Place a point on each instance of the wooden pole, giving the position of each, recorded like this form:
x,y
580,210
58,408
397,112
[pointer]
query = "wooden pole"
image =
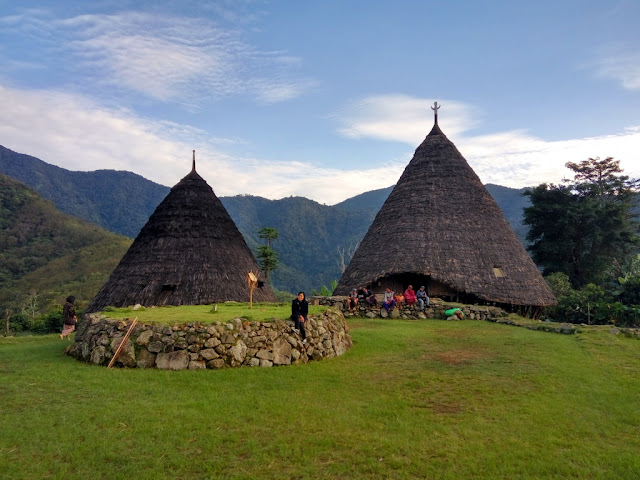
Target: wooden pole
x,y
126,337
252,281
6,328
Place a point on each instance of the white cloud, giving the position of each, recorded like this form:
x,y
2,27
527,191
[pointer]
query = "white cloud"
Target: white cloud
x,y
183,60
512,158
516,160
622,66
75,133
402,118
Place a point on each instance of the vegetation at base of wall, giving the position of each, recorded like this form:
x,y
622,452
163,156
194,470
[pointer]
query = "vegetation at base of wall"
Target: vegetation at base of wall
x,y
324,291
614,303
411,399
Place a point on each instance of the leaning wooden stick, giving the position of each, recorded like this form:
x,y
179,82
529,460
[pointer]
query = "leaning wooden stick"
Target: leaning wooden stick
x,y
126,337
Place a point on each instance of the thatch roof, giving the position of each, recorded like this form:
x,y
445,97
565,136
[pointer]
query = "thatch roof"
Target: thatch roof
x,y
190,252
440,222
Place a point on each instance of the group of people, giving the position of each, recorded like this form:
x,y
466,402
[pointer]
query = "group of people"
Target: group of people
x,y
364,294
410,297
391,299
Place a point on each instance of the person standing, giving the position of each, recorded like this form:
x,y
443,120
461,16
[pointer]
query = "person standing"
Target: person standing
x,y
300,314
70,319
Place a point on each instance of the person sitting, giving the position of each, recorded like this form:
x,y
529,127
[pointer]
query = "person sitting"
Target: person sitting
x,y
299,314
389,300
399,298
369,296
352,300
422,298
410,295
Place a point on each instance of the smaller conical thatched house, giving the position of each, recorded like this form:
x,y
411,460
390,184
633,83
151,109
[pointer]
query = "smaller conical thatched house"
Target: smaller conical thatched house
x,y
441,228
190,252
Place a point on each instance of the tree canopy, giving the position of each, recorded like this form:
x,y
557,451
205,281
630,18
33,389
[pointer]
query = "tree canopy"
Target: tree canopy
x,y
584,226
267,256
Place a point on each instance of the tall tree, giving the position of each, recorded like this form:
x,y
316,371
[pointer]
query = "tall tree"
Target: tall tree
x,y
267,256
583,226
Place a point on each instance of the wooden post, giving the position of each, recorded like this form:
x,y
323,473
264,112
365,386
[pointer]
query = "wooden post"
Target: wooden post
x,y
6,328
252,281
126,337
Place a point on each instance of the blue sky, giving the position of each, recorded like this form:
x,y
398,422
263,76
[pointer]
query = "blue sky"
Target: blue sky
x,y
321,99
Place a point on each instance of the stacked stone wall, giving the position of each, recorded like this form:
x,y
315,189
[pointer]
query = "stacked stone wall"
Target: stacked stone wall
x,y
219,345
435,309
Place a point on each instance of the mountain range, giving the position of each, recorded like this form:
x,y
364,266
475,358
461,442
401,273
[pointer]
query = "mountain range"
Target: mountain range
x,y
311,235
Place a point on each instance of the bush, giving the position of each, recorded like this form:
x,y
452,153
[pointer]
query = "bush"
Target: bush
x,y
54,322
37,324
18,322
591,304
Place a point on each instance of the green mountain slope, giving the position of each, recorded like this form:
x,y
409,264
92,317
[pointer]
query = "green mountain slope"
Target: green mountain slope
x,y
115,200
48,254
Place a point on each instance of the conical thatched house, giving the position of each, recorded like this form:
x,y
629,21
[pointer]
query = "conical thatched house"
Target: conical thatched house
x,y
441,228
190,252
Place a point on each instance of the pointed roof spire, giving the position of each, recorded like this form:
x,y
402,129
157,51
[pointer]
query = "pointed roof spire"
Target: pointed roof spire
x,y
435,109
193,166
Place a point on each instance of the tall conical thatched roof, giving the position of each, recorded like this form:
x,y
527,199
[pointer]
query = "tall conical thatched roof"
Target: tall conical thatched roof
x,y
190,252
441,226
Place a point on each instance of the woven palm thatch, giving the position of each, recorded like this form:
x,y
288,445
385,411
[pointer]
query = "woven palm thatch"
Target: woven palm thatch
x,y
190,252
441,228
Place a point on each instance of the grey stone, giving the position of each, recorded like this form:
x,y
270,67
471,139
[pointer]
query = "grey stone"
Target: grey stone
x,y
97,355
209,354
178,360
197,365
238,353
265,354
216,363
146,359
281,352
212,342
144,338
155,347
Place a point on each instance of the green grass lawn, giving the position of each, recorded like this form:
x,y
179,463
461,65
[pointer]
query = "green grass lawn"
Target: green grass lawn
x,y
412,399
206,314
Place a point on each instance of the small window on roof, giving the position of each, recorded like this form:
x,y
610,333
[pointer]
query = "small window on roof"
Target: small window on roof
x,y
497,271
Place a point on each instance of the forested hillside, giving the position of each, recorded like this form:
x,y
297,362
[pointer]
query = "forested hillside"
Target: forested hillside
x,y
118,201
46,255
310,235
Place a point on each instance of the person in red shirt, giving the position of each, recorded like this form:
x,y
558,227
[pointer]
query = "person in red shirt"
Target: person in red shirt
x,y
410,295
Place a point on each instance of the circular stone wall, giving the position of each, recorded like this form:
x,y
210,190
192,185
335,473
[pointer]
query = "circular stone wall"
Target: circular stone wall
x,y
218,345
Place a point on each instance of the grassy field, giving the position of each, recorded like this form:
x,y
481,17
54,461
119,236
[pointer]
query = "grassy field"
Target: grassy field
x,y
412,399
206,314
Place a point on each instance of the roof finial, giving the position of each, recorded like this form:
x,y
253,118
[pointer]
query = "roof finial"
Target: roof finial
x,y
193,167
435,109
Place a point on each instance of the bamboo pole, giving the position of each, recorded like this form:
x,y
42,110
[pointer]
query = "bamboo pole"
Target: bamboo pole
x,y
126,337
